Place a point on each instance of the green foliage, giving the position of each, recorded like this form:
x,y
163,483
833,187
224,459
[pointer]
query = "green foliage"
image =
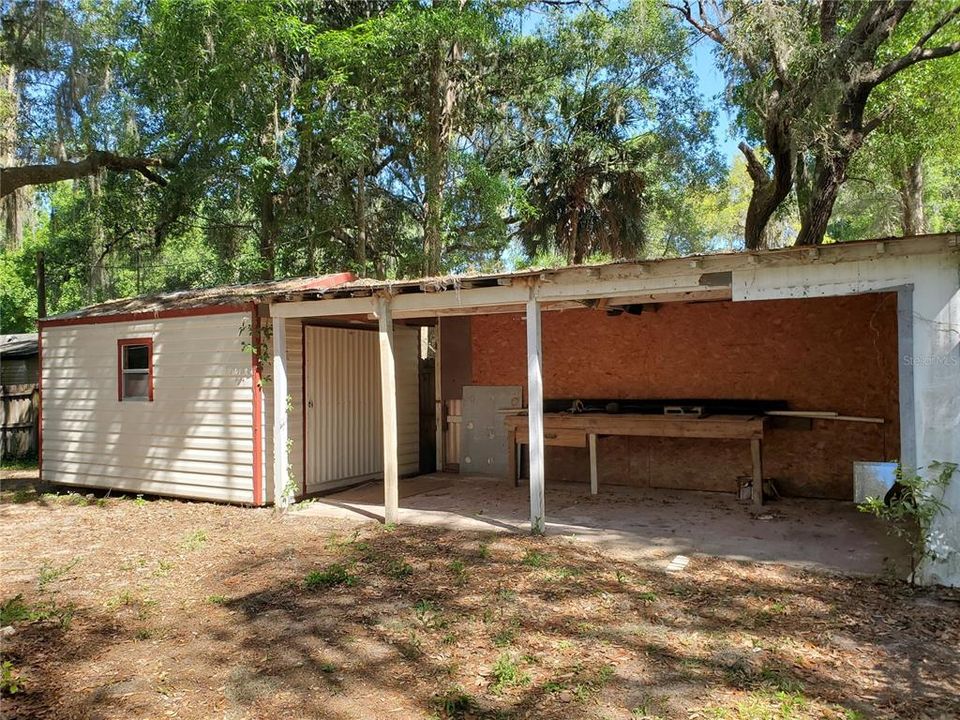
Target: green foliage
x,y
14,610
506,673
11,679
535,559
333,576
194,540
399,569
912,513
453,703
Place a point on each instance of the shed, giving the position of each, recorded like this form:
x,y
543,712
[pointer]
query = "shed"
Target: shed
x,y
18,359
19,399
688,373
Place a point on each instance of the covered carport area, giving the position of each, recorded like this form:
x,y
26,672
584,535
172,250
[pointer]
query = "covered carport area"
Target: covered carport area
x,y
915,279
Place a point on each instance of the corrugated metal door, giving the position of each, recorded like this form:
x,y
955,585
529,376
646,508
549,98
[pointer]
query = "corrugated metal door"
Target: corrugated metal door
x,y
344,429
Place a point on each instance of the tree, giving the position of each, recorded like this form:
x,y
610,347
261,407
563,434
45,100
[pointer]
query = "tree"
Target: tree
x,y
615,120
805,74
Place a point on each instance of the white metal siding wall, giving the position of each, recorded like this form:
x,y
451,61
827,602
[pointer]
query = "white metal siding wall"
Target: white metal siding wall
x,y
345,433
194,440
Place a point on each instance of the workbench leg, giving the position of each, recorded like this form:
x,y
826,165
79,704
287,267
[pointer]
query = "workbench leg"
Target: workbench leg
x,y
593,463
757,485
512,458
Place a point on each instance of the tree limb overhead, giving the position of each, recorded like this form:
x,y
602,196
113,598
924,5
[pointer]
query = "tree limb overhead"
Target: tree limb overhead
x,y
13,178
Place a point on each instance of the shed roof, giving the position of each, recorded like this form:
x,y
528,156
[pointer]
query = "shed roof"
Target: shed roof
x,y
18,345
343,285
222,296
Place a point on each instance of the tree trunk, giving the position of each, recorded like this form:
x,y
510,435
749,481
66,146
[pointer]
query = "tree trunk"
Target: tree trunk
x,y
13,205
769,189
435,169
828,178
360,208
269,229
910,185
442,100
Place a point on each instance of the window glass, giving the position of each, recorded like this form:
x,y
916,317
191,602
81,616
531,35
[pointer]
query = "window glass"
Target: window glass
x,y
136,357
136,385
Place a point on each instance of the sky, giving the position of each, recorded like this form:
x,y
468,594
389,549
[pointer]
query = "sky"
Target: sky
x,y
711,85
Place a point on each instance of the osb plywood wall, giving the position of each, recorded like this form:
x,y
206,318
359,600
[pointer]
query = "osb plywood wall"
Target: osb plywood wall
x,y
817,354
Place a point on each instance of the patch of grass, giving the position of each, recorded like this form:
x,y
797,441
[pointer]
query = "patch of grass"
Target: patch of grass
x,y
399,569
775,680
14,610
163,568
333,576
506,595
506,673
647,598
590,683
11,679
22,495
143,634
21,464
645,709
459,571
52,573
194,540
764,705
139,501
217,599
505,637
561,574
412,647
327,667
484,550
535,559
121,599
429,615
453,703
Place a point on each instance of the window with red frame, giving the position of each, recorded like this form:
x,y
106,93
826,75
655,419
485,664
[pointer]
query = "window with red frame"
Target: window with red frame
x,y
135,360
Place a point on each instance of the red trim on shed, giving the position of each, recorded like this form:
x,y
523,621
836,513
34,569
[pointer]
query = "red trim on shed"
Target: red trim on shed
x,y
40,400
155,315
303,401
257,405
126,342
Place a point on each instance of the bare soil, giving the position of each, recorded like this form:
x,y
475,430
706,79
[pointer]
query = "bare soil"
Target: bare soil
x,y
157,608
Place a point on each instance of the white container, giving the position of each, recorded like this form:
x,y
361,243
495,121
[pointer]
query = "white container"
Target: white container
x,y
873,479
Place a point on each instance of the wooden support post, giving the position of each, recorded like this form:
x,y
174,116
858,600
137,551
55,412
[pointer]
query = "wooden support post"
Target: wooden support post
x,y
281,452
438,397
757,485
388,397
592,437
535,415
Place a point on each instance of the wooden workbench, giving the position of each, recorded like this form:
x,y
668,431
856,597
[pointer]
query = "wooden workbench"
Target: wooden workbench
x,y
582,429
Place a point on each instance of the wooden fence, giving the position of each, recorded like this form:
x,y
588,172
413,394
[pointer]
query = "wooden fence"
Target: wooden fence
x,y
19,415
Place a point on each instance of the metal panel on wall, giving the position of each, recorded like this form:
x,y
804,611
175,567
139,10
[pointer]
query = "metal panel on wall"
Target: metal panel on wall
x,y
343,411
483,435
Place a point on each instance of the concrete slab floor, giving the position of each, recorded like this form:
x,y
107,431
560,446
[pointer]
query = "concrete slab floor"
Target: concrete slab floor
x,y
643,525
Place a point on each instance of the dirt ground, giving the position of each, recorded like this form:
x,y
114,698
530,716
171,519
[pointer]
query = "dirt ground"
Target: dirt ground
x,y
136,608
